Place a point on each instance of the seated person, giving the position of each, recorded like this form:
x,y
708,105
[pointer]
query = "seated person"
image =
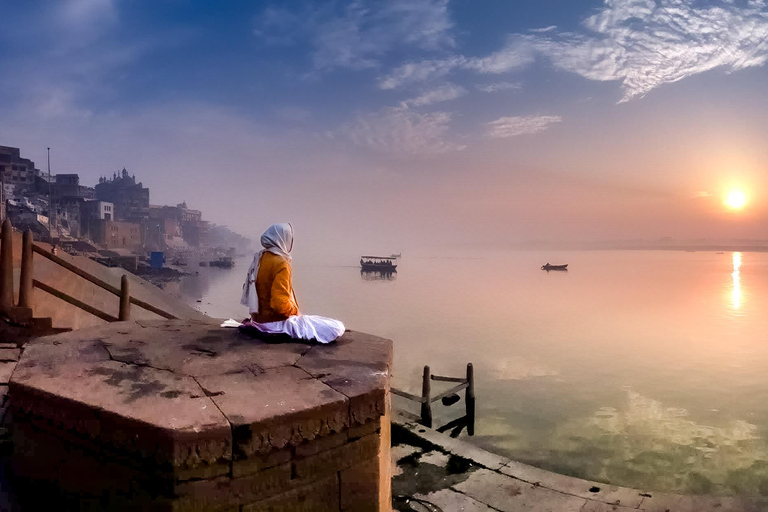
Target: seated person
x,y
268,293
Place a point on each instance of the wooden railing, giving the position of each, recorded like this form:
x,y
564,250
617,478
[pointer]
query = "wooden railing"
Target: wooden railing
x,y
448,398
27,281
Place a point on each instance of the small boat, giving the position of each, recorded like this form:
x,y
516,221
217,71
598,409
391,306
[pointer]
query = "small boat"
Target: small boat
x,y
396,255
223,262
554,267
378,263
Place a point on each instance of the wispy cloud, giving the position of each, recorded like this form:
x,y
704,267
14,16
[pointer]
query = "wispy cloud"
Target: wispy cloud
x,y
358,35
513,126
445,92
517,54
645,44
400,131
543,29
499,86
642,44
414,72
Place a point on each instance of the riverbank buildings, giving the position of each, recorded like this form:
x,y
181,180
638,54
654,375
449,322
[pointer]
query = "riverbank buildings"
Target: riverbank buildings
x,y
130,199
16,172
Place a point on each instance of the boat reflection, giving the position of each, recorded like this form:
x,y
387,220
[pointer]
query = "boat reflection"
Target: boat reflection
x,y
378,275
736,280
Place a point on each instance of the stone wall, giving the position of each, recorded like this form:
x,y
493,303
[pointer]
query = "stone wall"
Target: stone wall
x,y
184,416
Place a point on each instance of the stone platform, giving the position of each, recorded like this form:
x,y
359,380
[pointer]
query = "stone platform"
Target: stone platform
x,y
434,472
185,415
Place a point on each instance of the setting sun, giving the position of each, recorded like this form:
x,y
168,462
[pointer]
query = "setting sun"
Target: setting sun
x,y
736,199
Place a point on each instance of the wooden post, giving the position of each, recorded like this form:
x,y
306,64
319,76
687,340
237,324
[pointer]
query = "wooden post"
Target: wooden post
x,y
6,266
125,299
426,395
25,281
469,400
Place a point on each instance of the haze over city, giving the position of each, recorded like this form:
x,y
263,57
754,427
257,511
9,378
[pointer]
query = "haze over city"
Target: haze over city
x,y
407,123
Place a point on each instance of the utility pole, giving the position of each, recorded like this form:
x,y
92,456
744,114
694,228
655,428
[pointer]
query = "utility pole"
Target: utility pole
x,y
50,199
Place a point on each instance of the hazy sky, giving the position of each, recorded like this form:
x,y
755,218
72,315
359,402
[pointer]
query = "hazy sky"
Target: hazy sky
x,y
382,125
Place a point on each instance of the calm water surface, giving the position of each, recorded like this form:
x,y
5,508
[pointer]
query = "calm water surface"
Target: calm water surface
x,y
647,369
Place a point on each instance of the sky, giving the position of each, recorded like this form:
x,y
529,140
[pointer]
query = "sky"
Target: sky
x,y
382,126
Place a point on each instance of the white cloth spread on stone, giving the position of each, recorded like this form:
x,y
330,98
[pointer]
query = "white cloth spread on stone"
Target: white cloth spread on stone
x,y
277,239
305,327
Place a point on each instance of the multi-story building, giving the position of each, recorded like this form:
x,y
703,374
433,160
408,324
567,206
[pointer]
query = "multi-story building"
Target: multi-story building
x,y
118,235
99,210
168,222
193,228
68,186
91,213
17,171
131,199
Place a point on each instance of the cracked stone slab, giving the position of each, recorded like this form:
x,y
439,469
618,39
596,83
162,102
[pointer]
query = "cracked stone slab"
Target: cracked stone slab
x,y
191,394
458,447
356,365
590,490
507,494
201,350
276,408
448,499
160,415
6,370
9,354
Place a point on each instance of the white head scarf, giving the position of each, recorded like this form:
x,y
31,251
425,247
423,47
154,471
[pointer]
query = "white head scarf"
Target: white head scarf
x,y
277,239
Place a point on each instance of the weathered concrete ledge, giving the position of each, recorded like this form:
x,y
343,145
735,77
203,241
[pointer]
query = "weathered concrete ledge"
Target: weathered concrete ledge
x,y
184,415
455,475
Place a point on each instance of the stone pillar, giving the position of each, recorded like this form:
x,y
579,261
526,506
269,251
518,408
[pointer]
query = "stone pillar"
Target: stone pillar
x,y
6,266
25,279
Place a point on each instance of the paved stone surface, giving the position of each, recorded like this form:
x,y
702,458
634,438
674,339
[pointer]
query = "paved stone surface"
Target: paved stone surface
x,y
6,369
576,486
457,447
9,354
450,500
305,407
473,479
356,365
598,506
508,494
189,393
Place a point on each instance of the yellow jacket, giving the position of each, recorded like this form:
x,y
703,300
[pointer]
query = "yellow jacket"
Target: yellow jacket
x,y
275,290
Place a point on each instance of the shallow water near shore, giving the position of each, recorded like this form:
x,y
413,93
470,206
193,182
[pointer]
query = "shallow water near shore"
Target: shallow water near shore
x,y
647,369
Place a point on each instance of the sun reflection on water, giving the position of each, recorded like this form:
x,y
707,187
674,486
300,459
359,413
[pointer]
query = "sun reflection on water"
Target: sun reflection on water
x,y
736,280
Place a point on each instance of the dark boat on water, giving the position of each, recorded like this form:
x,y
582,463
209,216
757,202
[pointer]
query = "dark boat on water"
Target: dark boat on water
x,y
223,262
378,263
554,267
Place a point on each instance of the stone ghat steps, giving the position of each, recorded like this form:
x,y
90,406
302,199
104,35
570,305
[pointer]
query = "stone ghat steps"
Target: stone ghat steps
x,y
430,467
64,315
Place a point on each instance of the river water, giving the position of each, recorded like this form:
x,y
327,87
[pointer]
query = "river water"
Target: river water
x,y
640,368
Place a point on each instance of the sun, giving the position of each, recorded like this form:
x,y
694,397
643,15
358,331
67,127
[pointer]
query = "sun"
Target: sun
x,y
736,199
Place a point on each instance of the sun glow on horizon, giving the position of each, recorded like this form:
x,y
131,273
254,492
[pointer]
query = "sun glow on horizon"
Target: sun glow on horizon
x,y
735,200
736,274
